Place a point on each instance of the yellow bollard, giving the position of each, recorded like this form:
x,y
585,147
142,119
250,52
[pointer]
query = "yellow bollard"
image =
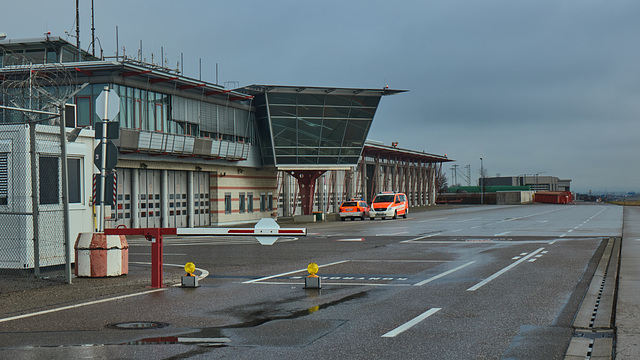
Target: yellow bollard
x,y
190,268
189,280
312,281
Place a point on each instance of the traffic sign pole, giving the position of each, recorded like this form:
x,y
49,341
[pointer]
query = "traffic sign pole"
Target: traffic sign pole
x,y
105,111
103,167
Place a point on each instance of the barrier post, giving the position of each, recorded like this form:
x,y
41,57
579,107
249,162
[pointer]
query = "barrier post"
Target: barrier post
x,y
155,236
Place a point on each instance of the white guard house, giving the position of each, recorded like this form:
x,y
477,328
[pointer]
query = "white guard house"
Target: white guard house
x,y
16,202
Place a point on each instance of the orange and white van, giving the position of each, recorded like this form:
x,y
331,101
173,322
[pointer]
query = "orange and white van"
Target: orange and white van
x,y
354,209
389,204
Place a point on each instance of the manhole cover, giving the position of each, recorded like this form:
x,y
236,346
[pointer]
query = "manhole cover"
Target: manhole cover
x,y
138,325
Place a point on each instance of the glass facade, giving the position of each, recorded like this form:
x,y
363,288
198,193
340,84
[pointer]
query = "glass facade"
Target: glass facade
x,y
154,111
37,53
317,128
139,109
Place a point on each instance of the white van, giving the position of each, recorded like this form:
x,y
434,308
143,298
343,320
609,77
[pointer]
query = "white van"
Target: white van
x,y
389,204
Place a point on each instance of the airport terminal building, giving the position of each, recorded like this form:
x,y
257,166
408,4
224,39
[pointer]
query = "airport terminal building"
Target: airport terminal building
x,y
192,153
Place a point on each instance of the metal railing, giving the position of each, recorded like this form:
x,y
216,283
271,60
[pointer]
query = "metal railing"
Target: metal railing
x,y
182,145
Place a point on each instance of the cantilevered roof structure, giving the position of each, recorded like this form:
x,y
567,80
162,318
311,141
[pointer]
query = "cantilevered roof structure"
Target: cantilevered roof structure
x,y
314,128
307,130
374,150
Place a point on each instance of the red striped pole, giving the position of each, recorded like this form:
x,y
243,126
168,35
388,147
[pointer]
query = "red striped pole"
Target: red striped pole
x,y
93,197
115,187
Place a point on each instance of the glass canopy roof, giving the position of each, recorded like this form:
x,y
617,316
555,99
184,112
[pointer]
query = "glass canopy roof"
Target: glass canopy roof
x,y
313,127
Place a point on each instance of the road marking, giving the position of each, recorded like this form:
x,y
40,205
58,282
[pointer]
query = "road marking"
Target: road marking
x,y
409,324
443,274
290,272
328,283
392,234
358,239
479,241
432,219
23,316
421,237
502,233
504,270
401,261
204,274
343,277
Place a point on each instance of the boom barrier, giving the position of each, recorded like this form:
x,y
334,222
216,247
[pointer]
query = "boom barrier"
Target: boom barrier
x,y
266,232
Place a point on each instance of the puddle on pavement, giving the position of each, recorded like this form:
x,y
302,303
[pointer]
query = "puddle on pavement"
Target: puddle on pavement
x,y
214,336
137,325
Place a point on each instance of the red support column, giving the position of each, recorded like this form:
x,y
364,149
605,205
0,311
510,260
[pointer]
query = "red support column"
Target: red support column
x,y
307,184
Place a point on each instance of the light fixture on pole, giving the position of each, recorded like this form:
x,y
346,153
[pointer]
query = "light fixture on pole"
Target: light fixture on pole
x,y
481,182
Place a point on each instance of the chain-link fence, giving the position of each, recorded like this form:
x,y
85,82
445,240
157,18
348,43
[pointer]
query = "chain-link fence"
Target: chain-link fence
x,y
32,235
32,241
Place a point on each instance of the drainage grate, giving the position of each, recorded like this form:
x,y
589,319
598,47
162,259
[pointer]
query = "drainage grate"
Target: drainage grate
x,y
594,334
137,325
597,304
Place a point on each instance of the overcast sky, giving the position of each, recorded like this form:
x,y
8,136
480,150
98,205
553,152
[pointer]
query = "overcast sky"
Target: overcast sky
x,y
548,87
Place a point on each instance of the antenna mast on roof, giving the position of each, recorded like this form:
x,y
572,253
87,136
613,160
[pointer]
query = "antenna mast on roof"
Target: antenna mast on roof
x,y
93,33
117,43
78,25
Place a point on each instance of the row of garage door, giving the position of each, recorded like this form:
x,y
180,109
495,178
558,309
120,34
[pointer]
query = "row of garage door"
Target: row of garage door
x,y
140,201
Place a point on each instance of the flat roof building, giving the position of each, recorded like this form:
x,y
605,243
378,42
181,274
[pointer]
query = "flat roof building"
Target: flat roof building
x,y
191,152
535,182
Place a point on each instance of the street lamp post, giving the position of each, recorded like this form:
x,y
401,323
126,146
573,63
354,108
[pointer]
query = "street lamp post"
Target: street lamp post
x,y
536,179
481,183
